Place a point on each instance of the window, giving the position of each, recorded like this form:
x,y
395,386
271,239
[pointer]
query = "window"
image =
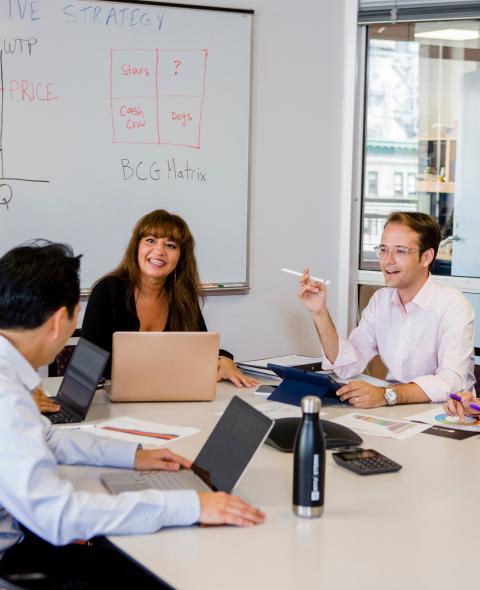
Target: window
x,y
398,183
421,112
372,183
411,183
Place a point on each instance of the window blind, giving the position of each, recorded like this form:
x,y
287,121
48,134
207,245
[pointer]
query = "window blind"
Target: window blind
x,y
387,11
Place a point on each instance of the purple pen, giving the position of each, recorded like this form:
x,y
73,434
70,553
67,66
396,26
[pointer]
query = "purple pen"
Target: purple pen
x,y
459,399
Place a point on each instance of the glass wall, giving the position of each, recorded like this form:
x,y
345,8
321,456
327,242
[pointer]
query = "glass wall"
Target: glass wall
x,y
422,136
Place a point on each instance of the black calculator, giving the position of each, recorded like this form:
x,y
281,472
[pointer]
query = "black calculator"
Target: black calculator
x,y
366,461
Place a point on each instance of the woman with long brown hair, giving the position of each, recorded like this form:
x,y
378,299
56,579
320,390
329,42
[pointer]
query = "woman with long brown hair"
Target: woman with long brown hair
x,y
155,288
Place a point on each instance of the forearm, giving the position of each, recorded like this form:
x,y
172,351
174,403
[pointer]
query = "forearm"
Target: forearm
x,y
327,333
410,393
61,515
84,448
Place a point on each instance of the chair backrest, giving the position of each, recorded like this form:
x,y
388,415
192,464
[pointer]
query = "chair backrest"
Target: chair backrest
x,y
4,585
476,371
60,364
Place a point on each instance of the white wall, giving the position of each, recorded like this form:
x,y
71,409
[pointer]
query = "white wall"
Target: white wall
x,y
296,176
300,174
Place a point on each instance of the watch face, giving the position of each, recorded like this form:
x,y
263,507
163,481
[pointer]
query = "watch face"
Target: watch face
x,y
391,397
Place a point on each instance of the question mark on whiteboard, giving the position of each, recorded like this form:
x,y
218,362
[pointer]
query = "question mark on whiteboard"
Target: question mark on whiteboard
x,y
177,63
6,195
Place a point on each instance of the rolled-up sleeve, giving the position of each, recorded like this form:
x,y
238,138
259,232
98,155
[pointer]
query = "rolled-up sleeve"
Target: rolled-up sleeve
x,y
454,357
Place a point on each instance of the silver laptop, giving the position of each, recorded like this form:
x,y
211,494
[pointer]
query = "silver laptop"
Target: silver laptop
x,y
164,366
221,462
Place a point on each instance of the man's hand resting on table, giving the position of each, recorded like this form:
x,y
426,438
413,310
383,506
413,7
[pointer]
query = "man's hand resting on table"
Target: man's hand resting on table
x,y
222,508
361,394
215,507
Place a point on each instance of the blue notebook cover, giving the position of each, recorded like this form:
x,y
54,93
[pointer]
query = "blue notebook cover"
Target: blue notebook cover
x,y
298,383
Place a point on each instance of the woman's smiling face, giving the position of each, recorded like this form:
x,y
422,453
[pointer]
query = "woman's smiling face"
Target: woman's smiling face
x,y
157,257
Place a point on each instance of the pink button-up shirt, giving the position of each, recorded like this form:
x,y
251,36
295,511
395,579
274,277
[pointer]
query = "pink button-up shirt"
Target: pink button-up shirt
x,y
428,342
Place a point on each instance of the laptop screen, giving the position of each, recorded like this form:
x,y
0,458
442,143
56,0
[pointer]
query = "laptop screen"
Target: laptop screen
x,y
81,377
231,445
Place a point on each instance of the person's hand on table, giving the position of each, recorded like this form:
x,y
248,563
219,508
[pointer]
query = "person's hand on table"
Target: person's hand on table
x,y
147,460
44,403
312,293
361,394
462,409
222,508
227,369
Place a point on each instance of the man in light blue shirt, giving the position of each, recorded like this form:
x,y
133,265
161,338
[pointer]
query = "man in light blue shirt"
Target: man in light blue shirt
x,y
39,295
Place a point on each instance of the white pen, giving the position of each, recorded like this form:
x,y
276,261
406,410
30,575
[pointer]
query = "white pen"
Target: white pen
x,y
300,274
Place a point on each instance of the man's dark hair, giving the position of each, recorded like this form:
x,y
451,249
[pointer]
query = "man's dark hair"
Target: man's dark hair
x,y
427,228
37,279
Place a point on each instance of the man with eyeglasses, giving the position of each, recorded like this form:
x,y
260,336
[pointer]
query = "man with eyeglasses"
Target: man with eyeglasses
x,y
422,331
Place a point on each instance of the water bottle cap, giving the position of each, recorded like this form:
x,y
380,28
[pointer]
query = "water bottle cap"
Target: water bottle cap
x,y
311,404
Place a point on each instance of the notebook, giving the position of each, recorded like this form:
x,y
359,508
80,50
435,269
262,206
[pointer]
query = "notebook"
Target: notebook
x,y
79,383
220,463
164,366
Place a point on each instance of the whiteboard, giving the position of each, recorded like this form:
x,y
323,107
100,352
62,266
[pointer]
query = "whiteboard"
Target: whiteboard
x,y
110,110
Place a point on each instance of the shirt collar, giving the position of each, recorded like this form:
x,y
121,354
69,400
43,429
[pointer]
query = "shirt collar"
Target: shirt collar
x,y
426,294
422,299
23,369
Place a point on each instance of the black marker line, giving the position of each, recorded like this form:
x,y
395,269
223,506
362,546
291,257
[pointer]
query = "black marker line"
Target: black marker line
x,y
23,179
1,111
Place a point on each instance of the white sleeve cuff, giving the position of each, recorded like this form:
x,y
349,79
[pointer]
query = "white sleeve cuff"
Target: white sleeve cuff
x,y
120,453
182,508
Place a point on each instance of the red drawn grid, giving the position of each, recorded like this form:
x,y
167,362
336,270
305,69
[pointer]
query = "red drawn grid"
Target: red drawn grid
x,y
159,98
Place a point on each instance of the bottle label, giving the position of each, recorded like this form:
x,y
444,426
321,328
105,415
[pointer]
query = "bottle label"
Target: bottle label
x,y
315,495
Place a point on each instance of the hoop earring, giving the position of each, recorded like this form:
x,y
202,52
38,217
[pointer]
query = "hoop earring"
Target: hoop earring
x,y
175,277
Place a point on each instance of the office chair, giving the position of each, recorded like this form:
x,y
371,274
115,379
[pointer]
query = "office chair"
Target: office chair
x,y
4,585
476,371
58,367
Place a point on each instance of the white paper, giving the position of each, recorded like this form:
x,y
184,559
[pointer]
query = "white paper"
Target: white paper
x,y
276,410
380,426
285,361
438,417
137,431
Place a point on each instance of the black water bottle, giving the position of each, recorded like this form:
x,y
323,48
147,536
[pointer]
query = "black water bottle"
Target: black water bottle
x,y
309,462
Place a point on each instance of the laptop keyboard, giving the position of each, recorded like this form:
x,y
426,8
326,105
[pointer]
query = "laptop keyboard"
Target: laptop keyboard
x,y
162,480
64,416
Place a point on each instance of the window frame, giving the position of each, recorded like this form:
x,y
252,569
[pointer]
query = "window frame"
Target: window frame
x,y
373,277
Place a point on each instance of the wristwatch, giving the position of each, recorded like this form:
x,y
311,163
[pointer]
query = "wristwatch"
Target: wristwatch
x,y
390,396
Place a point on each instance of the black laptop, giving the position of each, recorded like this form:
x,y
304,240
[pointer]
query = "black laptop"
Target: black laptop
x,y
79,383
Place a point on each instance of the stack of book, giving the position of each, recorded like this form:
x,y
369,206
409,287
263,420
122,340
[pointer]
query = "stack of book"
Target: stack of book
x,y
259,366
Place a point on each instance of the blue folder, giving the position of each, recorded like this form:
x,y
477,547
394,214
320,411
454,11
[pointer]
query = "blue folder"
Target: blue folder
x,y
298,383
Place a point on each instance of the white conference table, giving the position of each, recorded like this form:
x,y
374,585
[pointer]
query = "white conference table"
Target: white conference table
x,y
415,529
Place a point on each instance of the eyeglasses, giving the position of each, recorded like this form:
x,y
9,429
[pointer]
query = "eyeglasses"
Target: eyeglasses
x,y
398,252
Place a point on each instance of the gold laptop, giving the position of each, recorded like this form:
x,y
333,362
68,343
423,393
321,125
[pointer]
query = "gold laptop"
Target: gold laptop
x,y
164,366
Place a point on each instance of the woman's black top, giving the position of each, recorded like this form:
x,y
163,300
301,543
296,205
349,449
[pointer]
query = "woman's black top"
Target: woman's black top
x,y
107,312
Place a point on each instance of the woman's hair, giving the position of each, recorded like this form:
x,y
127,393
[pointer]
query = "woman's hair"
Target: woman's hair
x,y
182,286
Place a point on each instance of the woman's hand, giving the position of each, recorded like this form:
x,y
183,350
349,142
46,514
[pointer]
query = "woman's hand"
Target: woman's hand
x,y
462,408
227,369
44,403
